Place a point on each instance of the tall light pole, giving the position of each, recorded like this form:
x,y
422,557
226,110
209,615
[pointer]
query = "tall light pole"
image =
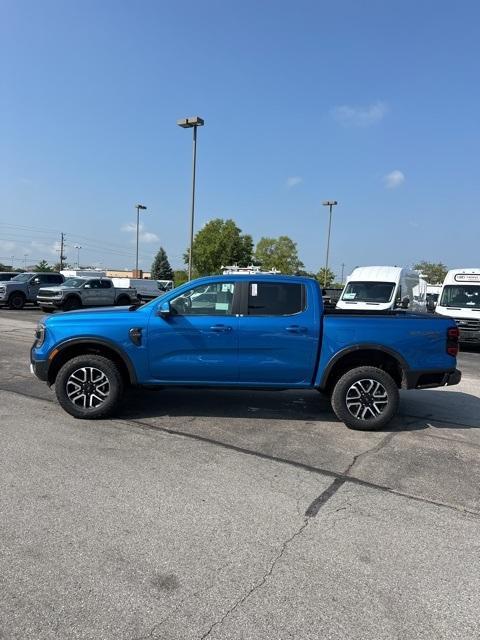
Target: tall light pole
x,y
78,247
192,123
330,204
138,207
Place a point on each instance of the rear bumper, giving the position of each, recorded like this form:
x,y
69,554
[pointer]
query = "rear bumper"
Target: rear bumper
x,y
431,379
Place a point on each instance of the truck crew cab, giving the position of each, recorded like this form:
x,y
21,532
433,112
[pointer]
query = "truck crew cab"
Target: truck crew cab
x,y
246,331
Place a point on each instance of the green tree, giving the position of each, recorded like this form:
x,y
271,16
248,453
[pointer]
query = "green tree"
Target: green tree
x,y
220,243
329,280
42,266
433,272
278,253
5,267
179,277
161,269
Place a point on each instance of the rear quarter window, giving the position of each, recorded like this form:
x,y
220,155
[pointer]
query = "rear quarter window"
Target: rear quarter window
x,y
275,298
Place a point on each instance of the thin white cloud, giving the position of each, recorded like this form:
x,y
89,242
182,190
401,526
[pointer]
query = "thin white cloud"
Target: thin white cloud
x,y
144,236
360,116
293,181
394,179
147,236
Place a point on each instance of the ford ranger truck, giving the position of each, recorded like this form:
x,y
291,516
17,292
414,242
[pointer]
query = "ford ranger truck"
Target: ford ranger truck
x,y
246,331
79,292
24,287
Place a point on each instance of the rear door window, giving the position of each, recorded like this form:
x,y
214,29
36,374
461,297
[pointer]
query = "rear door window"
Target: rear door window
x,y
105,284
275,298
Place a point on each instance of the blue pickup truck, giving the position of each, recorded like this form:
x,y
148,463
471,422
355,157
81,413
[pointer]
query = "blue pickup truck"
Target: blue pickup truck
x,y
246,331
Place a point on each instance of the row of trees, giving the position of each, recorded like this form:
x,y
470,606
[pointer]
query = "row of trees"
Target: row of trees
x,y
220,243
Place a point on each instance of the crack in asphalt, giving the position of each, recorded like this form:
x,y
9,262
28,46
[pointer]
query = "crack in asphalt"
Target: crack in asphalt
x,y
260,583
373,449
293,463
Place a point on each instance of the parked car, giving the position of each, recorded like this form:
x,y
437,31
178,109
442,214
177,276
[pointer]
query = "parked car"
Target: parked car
x,y
85,292
384,288
256,332
24,287
460,299
146,289
7,275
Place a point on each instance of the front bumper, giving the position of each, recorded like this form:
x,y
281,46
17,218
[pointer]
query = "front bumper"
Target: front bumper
x,y
39,367
431,379
49,302
469,335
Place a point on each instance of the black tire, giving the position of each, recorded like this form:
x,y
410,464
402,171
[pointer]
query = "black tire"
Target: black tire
x,y
47,309
70,381
16,300
72,303
123,301
368,392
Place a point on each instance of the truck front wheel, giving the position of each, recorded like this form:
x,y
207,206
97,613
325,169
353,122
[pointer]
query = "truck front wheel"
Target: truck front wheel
x,y
72,303
365,398
89,387
16,301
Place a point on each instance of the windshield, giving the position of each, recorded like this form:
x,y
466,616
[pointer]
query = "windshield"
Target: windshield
x,y
73,283
368,292
22,277
462,296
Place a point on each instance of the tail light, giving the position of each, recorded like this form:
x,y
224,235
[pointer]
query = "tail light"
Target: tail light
x,y
452,341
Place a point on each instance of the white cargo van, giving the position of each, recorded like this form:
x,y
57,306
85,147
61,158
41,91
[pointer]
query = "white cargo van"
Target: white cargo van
x,y
460,299
382,289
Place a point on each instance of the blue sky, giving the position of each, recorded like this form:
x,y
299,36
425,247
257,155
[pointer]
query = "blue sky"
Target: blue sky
x,y
373,103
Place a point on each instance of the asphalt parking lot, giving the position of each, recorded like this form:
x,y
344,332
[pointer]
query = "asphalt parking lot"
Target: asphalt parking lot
x,y
247,515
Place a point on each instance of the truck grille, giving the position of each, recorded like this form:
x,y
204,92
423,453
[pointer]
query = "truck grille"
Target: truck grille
x,y
47,294
468,324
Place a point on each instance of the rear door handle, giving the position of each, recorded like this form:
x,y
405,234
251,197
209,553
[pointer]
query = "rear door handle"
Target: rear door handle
x,y
220,328
295,328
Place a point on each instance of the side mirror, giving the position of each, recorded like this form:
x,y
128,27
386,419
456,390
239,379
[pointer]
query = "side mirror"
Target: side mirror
x,y
87,286
431,305
405,302
36,281
164,311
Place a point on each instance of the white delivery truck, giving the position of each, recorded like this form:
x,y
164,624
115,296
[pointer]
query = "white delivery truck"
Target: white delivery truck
x,y
460,299
383,289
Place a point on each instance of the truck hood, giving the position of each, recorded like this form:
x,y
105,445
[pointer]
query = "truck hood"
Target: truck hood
x,y
94,316
57,289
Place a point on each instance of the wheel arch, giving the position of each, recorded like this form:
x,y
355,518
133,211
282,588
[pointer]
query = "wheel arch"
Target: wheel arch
x,y
83,346
364,355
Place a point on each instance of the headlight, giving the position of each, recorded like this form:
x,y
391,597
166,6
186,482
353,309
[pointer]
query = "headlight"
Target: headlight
x,y
40,332
2,289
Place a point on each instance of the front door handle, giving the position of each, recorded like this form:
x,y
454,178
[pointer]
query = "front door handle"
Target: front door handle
x,y
295,328
220,328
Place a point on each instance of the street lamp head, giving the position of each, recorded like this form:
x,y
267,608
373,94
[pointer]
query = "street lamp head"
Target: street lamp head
x,y
329,203
186,123
140,206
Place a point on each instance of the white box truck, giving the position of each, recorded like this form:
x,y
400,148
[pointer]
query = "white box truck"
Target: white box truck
x,y
383,289
460,299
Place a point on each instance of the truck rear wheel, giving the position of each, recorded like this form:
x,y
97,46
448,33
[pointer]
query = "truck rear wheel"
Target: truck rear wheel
x,y
123,301
89,387
365,398
16,300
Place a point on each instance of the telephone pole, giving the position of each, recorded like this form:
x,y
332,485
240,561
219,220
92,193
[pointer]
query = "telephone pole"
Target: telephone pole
x,y
343,267
62,245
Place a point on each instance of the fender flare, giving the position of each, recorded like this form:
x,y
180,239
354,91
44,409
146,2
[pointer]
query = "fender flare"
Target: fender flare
x,y
362,347
102,342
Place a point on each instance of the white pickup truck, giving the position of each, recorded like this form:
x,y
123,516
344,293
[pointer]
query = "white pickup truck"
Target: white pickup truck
x,y
79,292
